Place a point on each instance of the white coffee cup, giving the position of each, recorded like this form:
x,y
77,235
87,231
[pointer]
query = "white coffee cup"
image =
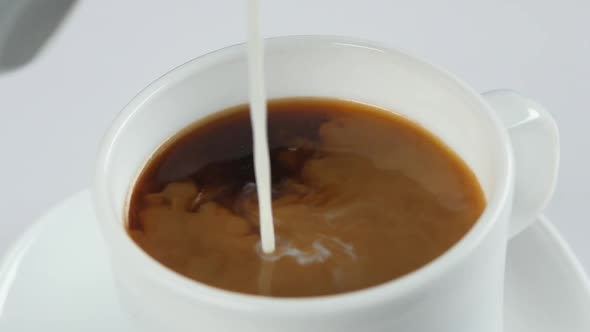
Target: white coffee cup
x,y
510,143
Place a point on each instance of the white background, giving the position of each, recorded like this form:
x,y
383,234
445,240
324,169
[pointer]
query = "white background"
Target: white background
x,y
54,111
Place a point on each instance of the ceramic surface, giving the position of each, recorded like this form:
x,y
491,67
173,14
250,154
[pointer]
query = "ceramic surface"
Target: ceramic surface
x,y
498,135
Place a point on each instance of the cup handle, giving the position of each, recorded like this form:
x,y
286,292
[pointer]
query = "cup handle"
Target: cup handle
x,y
535,146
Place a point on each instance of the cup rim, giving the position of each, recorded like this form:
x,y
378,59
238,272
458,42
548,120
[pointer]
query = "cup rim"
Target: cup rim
x,y
380,294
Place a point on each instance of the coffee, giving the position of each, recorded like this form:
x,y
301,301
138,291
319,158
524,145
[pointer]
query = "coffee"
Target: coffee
x,y
361,196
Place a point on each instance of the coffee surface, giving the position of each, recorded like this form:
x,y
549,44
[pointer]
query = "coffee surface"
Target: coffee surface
x,y
361,196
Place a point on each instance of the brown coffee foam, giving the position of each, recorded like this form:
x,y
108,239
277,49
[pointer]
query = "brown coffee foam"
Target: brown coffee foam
x,y
371,199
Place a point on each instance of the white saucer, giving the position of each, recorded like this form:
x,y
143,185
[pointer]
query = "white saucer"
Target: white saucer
x,y
56,277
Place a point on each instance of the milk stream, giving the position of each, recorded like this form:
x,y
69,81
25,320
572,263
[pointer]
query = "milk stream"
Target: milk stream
x,y
259,126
